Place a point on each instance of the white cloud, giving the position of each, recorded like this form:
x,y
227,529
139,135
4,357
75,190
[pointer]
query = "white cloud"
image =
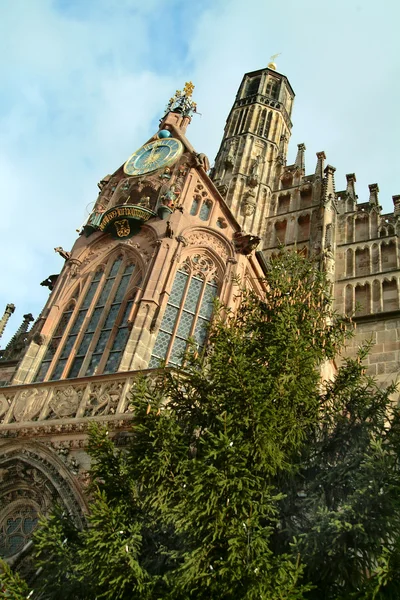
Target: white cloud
x,y
84,84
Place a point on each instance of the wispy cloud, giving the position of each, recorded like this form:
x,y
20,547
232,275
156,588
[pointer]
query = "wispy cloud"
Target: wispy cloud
x,y
84,83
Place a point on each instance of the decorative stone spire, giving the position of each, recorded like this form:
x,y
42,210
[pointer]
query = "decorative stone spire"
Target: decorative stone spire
x,y
396,204
373,194
300,158
16,345
350,188
329,184
319,169
10,308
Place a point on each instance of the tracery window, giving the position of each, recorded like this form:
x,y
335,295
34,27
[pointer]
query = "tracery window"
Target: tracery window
x,y
273,88
188,311
205,210
264,123
16,529
91,337
195,205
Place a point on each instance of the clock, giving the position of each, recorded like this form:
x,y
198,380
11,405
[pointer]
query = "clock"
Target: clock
x,y
153,156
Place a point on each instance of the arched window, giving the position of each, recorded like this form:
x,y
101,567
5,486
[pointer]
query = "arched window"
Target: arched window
x,y
261,122
95,341
195,205
55,340
268,124
252,86
16,527
273,88
205,210
188,311
264,123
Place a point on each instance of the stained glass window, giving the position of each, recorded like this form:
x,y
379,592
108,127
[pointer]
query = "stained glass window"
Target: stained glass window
x,y
187,314
195,206
98,327
205,210
16,530
55,342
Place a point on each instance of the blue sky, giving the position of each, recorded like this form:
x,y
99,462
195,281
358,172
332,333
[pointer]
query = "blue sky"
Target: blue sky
x,y
84,83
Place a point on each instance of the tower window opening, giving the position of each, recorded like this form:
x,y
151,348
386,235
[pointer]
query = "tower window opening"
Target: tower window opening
x,y
261,123
268,125
188,311
273,88
252,86
100,327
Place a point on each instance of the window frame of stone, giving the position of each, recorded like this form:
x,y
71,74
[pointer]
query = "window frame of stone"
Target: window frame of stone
x,y
98,327
272,88
21,509
185,312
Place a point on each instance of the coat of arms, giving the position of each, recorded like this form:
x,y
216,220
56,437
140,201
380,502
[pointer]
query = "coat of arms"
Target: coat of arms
x,y
122,228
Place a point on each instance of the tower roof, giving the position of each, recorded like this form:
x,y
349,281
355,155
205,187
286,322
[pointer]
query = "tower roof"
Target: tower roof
x,y
273,72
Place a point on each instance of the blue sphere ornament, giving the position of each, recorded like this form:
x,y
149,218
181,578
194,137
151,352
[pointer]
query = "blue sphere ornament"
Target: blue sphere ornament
x,y
164,133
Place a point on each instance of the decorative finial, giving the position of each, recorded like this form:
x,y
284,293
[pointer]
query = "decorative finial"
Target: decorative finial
x,y
272,65
188,89
182,101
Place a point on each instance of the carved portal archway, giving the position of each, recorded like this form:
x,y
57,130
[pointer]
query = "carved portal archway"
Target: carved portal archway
x,y
32,479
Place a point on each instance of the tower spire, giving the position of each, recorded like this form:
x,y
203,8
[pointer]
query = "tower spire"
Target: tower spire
x,y
10,308
250,155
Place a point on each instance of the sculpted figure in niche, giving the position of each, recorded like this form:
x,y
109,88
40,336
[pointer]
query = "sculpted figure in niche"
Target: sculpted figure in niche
x,y
254,174
231,156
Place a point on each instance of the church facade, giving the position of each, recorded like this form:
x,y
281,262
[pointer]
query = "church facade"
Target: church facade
x,y
166,236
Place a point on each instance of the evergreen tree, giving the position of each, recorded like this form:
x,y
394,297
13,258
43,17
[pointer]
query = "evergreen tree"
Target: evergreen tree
x,y
245,477
12,586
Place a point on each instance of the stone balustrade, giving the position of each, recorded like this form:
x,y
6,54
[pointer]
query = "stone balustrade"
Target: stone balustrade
x,y
67,405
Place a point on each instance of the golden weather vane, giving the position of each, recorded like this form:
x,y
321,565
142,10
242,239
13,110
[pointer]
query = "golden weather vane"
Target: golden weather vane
x,y
271,64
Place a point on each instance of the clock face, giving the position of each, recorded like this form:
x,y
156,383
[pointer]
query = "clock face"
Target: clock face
x,y
153,156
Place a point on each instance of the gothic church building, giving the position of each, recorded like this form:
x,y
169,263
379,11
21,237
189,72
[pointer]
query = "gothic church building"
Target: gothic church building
x,y
166,236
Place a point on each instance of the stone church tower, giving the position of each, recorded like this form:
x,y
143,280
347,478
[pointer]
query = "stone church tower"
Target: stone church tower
x,y
164,239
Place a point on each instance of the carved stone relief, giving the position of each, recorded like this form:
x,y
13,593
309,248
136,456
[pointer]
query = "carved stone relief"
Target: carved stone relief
x,y
208,240
103,399
65,402
28,404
